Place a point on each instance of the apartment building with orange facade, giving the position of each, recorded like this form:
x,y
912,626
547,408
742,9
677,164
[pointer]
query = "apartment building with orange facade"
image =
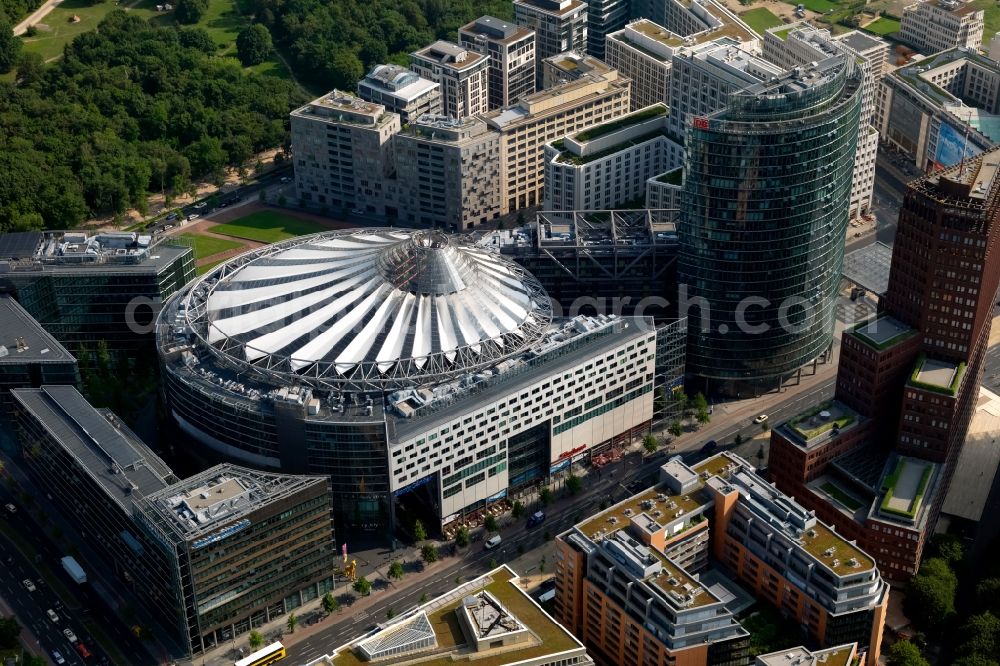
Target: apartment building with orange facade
x,y
629,579
877,461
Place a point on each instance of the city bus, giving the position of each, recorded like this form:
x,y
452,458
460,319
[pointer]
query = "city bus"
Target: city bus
x,y
265,655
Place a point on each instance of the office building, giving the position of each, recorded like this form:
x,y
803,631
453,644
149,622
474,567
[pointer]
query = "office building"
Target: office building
x,y
931,26
802,43
421,373
29,358
86,288
596,97
631,580
942,108
641,51
603,18
461,73
559,25
644,50
705,75
511,51
600,261
909,377
343,152
400,91
782,246
664,190
490,619
209,556
606,166
448,172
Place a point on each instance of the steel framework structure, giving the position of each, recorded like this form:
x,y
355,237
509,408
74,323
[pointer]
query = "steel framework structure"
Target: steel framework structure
x,y
365,375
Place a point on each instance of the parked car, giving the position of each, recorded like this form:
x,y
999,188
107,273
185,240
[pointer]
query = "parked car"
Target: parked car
x,y
10,508
193,216
357,211
70,636
286,179
200,205
536,518
171,217
28,585
493,542
761,419
58,658
52,615
84,652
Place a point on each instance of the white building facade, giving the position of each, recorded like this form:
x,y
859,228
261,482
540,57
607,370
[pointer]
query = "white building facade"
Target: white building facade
x,y
511,51
462,74
938,25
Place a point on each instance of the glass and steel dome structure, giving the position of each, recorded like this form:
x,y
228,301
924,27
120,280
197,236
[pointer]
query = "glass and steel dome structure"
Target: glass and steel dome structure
x,y
767,183
366,309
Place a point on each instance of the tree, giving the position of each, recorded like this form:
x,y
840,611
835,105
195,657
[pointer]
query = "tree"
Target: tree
x,y
974,660
10,47
760,455
930,595
396,570
253,45
419,533
650,443
699,401
255,640
988,593
389,613
462,538
905,653
429,553
490,523
545,495
291,623
29,68
363,586
676,429
702,415
190,11
518,509
682,401
345,69
9,631
330,603
573,484
949,547
980,634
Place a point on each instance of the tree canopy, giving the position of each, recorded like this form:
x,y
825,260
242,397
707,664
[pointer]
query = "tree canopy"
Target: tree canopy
x,y
253,44
334,43
130,108
905,653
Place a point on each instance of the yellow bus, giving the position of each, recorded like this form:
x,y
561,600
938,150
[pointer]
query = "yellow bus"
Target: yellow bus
x,y
263,656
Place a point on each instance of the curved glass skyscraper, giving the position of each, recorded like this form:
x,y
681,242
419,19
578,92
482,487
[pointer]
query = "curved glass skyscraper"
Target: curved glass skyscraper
x,y
767,184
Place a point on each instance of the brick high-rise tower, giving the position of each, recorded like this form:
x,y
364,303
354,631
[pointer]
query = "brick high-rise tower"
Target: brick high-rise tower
x,y
877,460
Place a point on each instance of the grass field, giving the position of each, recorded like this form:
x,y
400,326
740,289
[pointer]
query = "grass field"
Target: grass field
x,y
818,6
883,26
204,268
760,19
267,226
206,246
58,31
991,17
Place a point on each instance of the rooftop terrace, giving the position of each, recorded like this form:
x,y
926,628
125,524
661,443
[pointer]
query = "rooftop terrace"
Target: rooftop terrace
x,y
883,332
826,417
547,637
937,375
905,484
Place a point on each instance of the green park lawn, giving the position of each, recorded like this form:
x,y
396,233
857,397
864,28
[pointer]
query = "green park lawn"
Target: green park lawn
x,y
991,17
818,6
760,19
883,26
267,226
56,31
206,246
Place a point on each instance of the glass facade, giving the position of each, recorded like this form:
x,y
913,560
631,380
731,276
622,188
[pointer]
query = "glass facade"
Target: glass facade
x,y
767,185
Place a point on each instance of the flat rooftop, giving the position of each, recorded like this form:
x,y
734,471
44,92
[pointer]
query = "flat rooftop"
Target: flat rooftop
x,y
884,332
23,340
818,423
221,496
99,442
904,485
860,42
842,655
547,638
937,374
78,252
452,56
497,30
868,267
558,8
337,100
